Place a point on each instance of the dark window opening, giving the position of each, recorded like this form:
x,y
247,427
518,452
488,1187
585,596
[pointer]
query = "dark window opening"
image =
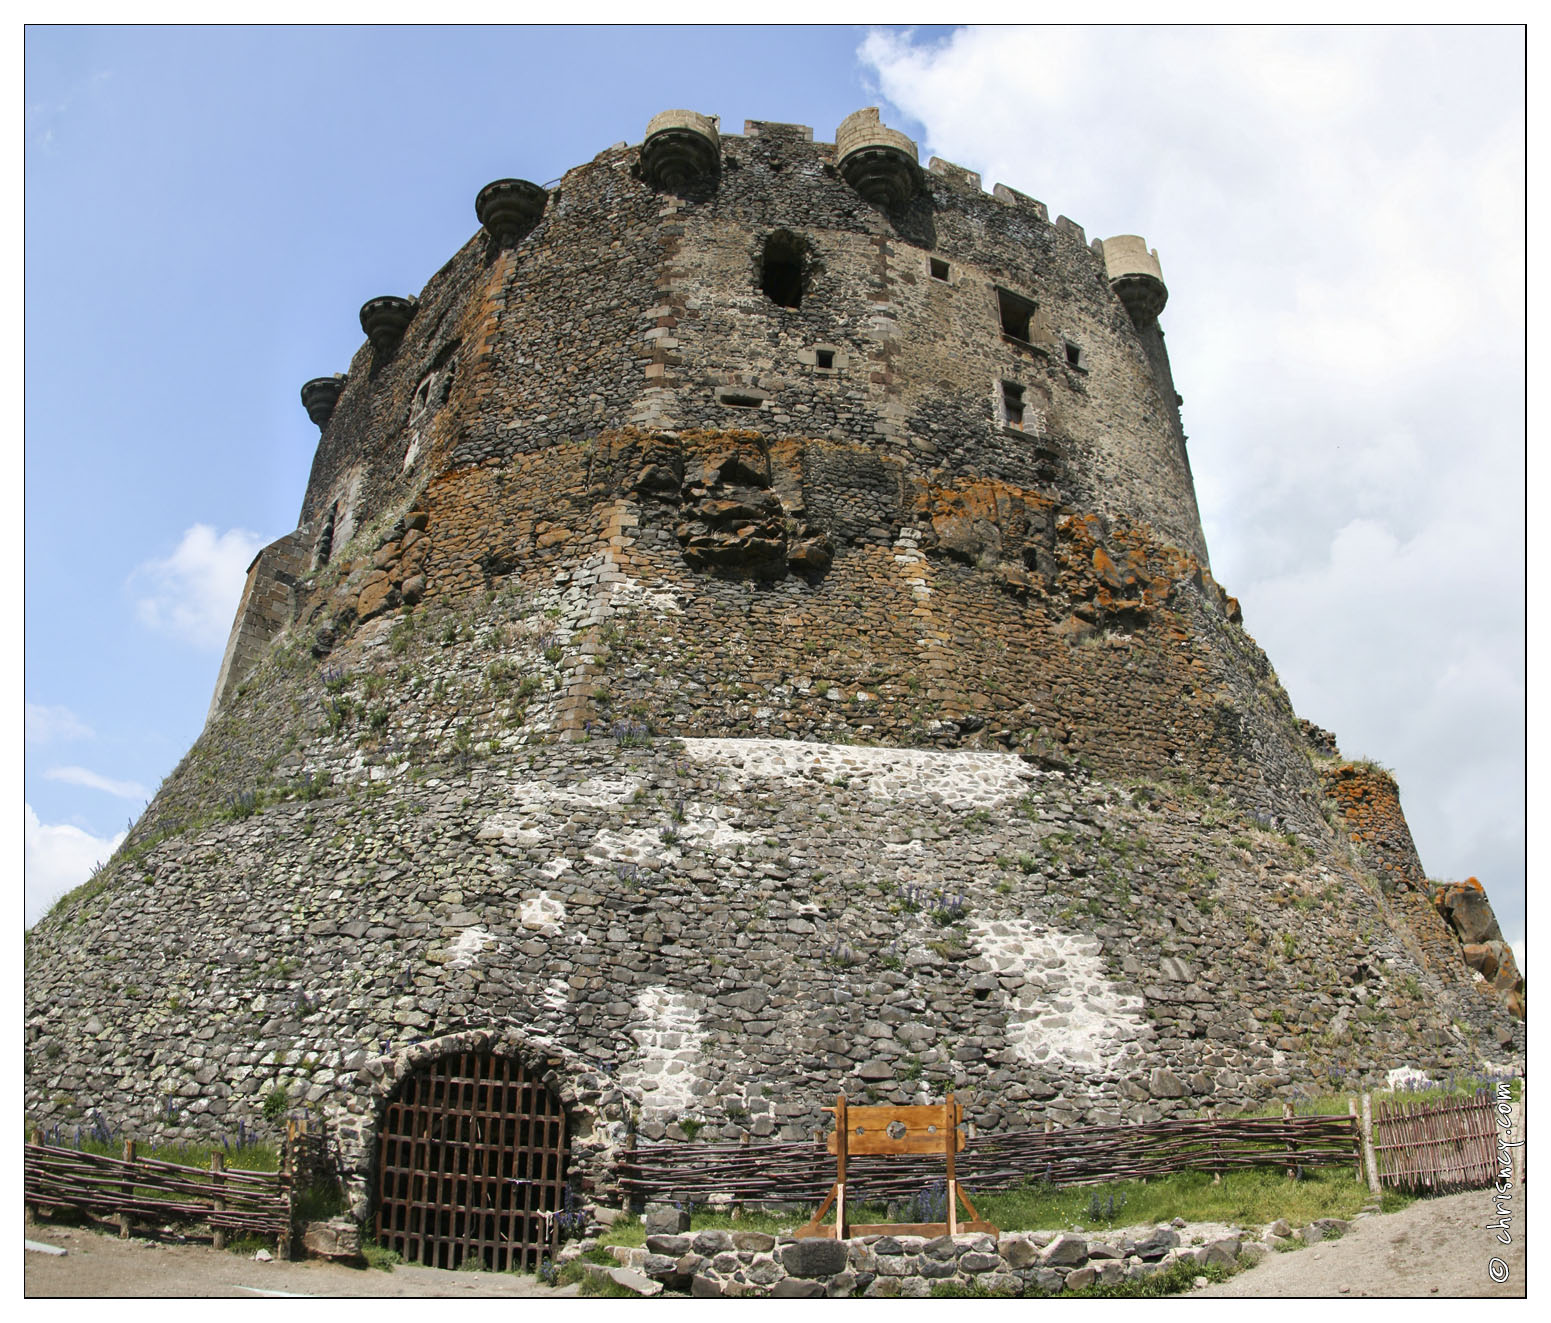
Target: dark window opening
x,y
939,268
1074,355
326,540
824,358
1016,314
1012,405
781,270
742,401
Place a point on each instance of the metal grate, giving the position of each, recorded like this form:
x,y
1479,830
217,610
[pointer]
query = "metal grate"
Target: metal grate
x,y
470,1157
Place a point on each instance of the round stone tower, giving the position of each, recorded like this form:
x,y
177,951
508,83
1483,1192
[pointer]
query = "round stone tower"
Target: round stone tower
x,y
748,636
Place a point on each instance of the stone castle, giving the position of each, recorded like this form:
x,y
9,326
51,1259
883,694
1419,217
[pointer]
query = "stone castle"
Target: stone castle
x,y
748,636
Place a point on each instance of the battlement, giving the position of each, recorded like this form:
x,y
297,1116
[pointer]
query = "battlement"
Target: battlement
x,y
766,280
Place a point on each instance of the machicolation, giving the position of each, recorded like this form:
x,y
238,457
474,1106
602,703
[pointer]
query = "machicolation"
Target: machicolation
x,y
748,636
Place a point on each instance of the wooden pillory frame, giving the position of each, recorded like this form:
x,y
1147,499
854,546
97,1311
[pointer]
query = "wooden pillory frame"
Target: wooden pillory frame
x,y
866,1130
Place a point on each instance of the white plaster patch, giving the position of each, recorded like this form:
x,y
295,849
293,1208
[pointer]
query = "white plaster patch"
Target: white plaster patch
x,y
542,914
556,995
555,867
466,950
668,1038
707,827
1064,1010
962,780
912,566
534,804
1407,1077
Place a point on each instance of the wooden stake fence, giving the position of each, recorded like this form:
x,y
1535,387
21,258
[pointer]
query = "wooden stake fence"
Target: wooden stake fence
x,y
1446,1145
146,1190
1085,1155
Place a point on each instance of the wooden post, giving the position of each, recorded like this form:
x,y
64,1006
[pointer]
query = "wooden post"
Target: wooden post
x,y
1292,1144
950,1117
1351,1111
1368,1155
129,1191
37,1139
217,1204
288,1184
840,1167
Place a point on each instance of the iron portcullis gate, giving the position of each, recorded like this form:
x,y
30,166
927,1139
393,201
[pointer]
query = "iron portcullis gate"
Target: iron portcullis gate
x,y
471,1155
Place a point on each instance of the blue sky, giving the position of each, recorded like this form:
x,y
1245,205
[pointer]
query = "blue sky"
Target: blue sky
x,y
1339,216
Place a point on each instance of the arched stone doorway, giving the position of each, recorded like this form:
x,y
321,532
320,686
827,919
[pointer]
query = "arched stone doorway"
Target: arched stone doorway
x,y
471,1156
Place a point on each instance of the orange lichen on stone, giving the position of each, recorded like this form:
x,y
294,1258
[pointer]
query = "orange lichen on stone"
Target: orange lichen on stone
x,y
1368,801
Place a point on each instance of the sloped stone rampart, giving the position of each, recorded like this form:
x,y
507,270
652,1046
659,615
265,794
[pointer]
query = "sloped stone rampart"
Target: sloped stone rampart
x,y
810,935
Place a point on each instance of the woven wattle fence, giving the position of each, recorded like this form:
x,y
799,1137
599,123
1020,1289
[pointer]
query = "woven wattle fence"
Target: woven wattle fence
x,y
147,1190
1446,1145
1083,1155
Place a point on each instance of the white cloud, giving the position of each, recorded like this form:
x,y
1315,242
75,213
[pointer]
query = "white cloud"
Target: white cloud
x,y
47,725
82,776
59,858
193,593
1339,216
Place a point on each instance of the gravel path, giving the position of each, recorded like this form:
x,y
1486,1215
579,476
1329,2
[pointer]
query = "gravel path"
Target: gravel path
x,y
1436,1247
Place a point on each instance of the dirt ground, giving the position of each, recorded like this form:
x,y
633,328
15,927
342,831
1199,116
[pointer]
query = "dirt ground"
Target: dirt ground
x,y
1436,1247
99,1264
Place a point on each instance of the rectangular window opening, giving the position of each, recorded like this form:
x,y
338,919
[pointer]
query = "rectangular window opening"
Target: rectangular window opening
x,y
1016,312
1074,355
734,401
1012,405
824,358
939,268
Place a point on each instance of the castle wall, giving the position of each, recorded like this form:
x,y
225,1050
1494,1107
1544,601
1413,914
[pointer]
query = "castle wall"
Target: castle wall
x,y
626,305
726,672
730,931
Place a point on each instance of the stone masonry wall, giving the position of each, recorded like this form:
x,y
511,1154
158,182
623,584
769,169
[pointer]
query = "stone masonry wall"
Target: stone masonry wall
x,y
630,306
266,607
691,921
719,705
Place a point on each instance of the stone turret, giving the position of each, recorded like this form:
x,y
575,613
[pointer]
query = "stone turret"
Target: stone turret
x,y
320,395
385,319
681,147
509,209
879,163
1136,277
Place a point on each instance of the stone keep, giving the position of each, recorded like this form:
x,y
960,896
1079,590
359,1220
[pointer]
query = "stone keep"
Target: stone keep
x,y
749,636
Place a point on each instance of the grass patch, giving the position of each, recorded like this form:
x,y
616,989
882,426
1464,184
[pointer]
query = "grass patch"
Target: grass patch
x,y
248,1157
1173,1280
377,1256
1244,1198
320,1201
1247,1198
